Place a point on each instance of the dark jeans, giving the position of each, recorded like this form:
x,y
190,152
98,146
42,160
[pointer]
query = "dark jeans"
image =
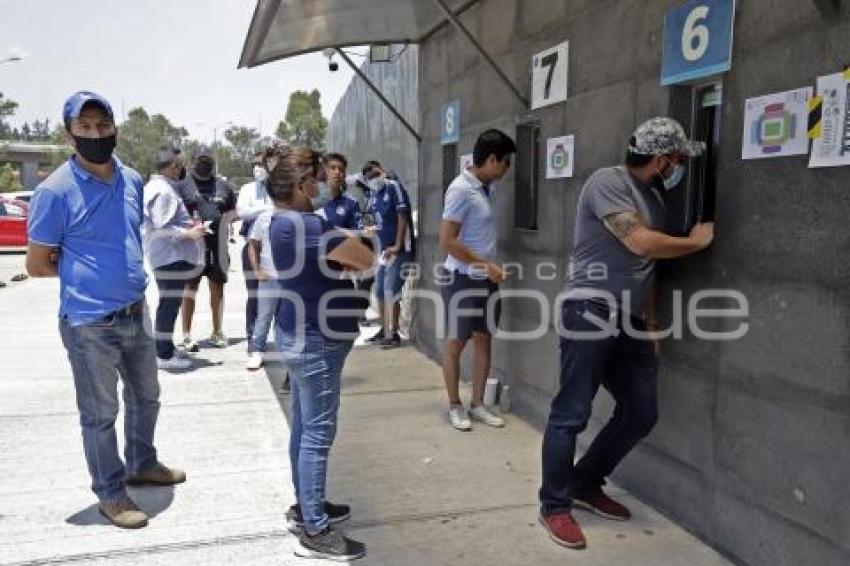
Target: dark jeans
x,y
170,280
627,368
251,284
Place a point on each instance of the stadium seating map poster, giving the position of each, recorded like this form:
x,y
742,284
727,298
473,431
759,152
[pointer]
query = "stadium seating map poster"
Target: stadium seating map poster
x,y
776,125
832,148
560,153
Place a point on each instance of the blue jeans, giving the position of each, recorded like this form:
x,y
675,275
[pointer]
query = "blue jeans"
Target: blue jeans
x,y
100,352
251,284
268,297
315,381
627,368
389,280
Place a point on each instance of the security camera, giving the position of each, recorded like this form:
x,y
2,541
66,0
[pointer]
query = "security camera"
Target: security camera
x,y
333,66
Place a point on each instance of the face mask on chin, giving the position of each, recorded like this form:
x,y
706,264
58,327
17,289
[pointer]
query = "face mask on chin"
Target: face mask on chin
x,y
95,150
324,196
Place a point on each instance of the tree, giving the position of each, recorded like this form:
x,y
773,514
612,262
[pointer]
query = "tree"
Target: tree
x,y
9,180
142,135
244,141
7,110
304,123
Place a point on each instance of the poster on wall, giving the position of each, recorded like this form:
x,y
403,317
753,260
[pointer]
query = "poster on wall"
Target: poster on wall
x,y
465,162
832,148
775,125
560,157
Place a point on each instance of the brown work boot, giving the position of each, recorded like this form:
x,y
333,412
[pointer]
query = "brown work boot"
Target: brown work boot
x,y
158,475
123,513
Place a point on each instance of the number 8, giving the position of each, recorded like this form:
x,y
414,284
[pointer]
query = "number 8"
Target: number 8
x,y
693,31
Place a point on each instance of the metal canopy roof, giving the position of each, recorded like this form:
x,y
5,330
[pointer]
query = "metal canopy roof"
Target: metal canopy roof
x,y
285,28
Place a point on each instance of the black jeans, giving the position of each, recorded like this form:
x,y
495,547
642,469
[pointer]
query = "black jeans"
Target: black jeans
x,y
170,280
251,284
627,368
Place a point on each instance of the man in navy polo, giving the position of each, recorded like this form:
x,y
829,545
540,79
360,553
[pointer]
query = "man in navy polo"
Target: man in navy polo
x,y
342,210
389,206
85,227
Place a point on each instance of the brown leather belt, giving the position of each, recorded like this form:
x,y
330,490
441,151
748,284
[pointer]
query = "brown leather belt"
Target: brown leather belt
x,y
135,309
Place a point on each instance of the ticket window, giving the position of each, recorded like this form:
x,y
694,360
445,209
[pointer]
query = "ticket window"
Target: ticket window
x,y
699,109
527,176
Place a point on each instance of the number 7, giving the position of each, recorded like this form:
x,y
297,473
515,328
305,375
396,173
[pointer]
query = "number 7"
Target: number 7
x,y
550,61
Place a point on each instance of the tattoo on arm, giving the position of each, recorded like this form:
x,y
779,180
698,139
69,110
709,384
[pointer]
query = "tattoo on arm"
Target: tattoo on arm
x,y
622,224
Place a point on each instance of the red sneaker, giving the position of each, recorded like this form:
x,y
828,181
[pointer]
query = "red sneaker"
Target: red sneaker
x,y
602,505
564,530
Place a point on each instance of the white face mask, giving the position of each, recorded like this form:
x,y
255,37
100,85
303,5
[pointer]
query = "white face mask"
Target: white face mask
x,y
323,197
260,174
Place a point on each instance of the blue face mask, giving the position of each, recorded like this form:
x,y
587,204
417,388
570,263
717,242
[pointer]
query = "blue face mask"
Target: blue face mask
x,y
675,177
323,197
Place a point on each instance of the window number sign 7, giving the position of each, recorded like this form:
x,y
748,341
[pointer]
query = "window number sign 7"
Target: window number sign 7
x,y
549,61
695,35
549,73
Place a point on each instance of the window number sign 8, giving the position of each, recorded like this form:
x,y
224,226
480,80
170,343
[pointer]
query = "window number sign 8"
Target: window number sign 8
x,y
695,35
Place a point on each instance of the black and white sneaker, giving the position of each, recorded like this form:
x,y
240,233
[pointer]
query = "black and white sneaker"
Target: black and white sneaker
x,y
329,545
376,338
337,513
392,342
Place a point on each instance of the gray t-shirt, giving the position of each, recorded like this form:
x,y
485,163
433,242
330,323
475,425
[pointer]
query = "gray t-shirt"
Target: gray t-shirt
x,y
599,261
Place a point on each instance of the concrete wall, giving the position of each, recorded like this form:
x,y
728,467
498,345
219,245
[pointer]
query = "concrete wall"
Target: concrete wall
x,y
753,449
362,128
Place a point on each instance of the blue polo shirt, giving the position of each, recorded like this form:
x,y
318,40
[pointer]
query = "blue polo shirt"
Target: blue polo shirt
x,y
299,243
97,227
385,205
344,212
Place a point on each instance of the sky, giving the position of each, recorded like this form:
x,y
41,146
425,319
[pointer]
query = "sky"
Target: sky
x,y
173,57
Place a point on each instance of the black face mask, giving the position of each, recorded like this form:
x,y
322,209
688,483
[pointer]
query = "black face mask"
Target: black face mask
x,y
203,169
95,150
182,174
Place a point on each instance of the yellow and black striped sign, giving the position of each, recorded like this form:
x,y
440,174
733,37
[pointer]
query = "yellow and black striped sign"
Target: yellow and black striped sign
x,y
816,117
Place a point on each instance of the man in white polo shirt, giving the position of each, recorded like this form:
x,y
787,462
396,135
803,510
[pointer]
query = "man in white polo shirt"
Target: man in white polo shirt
x,y
468,236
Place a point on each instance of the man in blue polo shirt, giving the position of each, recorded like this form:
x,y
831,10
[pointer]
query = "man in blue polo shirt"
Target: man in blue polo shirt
x,y
85,227
468,236
389,206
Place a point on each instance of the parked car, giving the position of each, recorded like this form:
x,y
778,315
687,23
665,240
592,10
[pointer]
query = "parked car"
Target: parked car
x,y
13,222
25,196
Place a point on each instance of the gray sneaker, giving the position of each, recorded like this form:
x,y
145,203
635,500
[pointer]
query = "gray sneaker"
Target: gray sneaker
x,y
329,545
459,418
123,513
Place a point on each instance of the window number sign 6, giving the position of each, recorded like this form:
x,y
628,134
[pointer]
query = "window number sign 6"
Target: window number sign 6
x,y
695,35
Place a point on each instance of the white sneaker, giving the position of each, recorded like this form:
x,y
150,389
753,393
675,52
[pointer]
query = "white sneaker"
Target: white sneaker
x,y
218,340
255,361
482,415
176,362
459,418
189,345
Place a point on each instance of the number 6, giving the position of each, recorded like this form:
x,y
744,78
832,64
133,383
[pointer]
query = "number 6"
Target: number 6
x,y
693,31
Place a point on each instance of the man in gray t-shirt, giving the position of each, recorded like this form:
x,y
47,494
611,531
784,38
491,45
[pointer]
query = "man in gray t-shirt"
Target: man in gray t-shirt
x,y
618,238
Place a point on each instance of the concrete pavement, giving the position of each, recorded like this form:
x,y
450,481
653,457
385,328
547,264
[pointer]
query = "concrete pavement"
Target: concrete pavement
x,y
422,493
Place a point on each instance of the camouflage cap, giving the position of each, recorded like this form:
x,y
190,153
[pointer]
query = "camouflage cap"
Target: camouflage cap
x,y
661,136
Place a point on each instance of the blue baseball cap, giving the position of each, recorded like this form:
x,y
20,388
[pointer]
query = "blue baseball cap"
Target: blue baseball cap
x,y
74,105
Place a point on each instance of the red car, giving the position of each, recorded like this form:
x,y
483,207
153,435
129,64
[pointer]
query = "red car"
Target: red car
x,y
13,222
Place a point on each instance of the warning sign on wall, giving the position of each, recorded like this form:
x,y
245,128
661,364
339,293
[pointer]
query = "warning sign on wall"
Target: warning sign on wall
x,y
832,148
560,157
